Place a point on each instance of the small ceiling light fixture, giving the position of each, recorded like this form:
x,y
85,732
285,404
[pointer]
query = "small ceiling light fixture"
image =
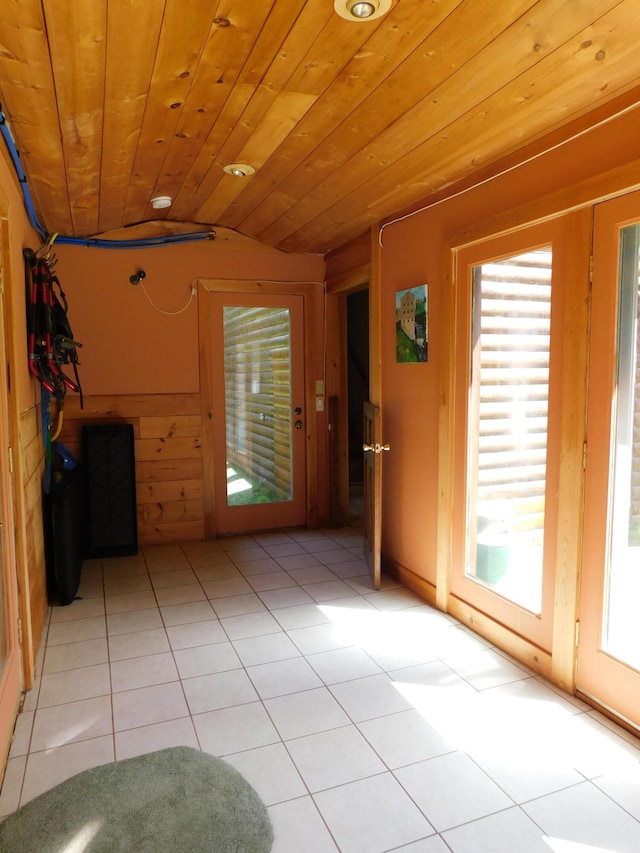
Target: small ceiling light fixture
x,y
161,201
361,10
239,170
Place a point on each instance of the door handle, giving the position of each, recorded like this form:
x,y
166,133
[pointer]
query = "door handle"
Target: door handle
x,y
375,448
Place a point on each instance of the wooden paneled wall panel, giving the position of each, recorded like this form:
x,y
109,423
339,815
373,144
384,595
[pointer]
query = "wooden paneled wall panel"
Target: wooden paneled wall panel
x,y
171,511
175,490
180,426
169,532
166,470
168,453
132,406
34,574
148,449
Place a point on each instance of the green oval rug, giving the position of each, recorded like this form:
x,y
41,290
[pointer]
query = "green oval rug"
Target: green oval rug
x,y
177,799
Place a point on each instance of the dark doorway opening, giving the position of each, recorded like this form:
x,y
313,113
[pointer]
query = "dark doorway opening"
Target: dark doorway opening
x,y
358,394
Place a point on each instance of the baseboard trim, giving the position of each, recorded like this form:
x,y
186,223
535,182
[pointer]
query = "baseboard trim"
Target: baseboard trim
x,y
513,644
409,579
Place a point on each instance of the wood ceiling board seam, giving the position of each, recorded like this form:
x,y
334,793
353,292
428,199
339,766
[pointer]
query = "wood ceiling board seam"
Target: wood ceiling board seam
x,y
327,116
27,106
307,175
335,46
231,150
287,110
129,67
201,180
213,84
77,35
407,130
407,134
588,190
626,103
182,39
329,112
353,208
571,90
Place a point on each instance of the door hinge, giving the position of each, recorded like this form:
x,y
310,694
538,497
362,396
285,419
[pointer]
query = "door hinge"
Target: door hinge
x,y
20,631
10,460
577,632
590,269
584,456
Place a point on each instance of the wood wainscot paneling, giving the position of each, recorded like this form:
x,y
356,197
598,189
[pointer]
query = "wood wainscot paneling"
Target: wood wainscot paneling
x,y
32,572
168,452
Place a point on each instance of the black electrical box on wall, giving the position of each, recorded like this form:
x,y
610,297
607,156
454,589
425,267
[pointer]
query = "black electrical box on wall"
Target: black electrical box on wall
x,y
109,465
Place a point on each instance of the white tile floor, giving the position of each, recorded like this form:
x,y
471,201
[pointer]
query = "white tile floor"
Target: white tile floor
x,y
367,721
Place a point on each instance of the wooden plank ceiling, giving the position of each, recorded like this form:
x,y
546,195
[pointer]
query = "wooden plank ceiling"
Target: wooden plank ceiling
x,y
112,102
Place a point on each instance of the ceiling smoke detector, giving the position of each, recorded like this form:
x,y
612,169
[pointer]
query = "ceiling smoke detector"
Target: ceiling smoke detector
x,y
361,10
161,201
239,170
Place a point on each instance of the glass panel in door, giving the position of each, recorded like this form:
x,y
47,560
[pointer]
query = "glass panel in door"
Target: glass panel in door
x,y
508,425
507,428
609,638
257,370
620,626
259,412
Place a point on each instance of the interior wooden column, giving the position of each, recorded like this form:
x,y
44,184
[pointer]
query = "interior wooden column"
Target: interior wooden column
x,y
575,336
446,432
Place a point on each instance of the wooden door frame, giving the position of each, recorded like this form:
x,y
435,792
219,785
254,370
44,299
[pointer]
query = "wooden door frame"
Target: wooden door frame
x,y
311,322
557,664
338,288
596,667
16,664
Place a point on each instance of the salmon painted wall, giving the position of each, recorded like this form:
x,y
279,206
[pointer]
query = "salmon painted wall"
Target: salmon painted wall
x,y
21,236
415,251
131,347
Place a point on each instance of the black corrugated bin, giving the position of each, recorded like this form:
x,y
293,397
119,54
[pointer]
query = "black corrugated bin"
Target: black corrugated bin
x,y
109,465
64,529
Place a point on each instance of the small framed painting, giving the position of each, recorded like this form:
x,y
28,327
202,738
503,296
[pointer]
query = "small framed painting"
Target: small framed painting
x,y
412,324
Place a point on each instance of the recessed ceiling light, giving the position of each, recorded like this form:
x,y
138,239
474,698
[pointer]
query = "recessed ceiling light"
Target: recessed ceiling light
x,y
161,201
239,170
361,10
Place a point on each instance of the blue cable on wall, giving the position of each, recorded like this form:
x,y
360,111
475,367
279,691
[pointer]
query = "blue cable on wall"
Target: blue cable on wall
x,y
98,242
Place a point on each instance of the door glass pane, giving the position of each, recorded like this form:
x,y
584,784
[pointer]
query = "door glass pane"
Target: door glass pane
x,y
257,374
621,628
509,397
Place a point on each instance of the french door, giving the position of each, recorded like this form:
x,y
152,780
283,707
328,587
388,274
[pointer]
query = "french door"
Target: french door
x,y
609,635
258,410
508,392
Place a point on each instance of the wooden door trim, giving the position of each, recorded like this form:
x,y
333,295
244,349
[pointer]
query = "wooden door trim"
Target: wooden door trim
x,y
558,662
446,431
206,412
12,677
337,391
312,321
573,432
597,669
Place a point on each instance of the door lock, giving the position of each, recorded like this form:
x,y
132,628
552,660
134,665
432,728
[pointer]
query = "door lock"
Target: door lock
x,y
298,425
375,448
